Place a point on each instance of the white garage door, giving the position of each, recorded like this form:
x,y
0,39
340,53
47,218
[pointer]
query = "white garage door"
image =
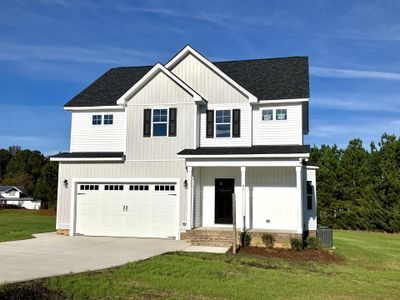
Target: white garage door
x,y
127,209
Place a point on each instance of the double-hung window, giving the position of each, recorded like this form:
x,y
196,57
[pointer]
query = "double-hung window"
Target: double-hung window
x,y
160,122
281,114
108,119
223,123
96,120
267,114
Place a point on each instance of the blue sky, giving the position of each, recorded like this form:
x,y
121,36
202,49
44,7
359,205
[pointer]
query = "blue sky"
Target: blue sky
x,y
51,50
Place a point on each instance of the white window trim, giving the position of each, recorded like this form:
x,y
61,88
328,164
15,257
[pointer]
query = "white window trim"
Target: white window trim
x,y
104,119
152,122
215,124
273,112
101,120
276,119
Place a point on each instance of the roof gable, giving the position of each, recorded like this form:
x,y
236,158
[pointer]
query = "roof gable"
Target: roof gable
x,y
158,68
267,79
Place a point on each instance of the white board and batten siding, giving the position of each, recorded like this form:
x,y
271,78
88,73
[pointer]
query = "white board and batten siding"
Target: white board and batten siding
x,y
86,137
310,215
278,132
160,148
206,82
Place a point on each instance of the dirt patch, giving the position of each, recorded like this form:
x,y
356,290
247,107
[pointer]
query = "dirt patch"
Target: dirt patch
x,y
29,291
301,257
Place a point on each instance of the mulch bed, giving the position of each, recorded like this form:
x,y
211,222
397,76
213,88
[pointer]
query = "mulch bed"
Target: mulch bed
x,y
29,291
301,257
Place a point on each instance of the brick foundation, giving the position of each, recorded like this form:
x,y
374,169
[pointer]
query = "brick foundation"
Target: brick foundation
x,y
223,237
63,232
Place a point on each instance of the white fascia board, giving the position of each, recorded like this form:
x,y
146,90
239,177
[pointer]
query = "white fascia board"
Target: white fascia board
x,y
146,78
312,167
242,163
93,159
178,57
292,155
94,108
283,101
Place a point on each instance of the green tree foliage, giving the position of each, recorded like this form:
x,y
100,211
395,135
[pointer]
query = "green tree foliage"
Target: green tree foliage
x,y
46,186
32,170
359,189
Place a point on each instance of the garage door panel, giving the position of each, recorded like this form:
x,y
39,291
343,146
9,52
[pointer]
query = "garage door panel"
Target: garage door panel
x,y
127,212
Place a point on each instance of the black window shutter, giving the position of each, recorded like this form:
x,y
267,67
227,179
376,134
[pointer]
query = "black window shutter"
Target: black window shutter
x,y
147,123
172,122
210,124
236,123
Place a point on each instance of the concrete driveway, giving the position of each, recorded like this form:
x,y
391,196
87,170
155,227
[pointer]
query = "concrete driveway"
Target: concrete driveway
x,y
50,254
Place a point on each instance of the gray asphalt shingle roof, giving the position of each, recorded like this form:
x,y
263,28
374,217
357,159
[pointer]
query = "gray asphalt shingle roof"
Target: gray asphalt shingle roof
x,y
267,79
268,149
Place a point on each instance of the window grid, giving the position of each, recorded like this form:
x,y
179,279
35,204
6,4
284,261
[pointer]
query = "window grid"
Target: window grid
x,y
108,119
113,187
96,120
89,187
139,187
267,115
164,187
281,114
160,122
222,123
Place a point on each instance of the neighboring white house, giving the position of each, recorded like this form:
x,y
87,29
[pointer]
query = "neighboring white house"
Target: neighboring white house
x,y
158,151
17,195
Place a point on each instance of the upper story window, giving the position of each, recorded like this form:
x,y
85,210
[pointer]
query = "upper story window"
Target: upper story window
x,y
108,119
96,120
281,114
267,114
222,123
160,122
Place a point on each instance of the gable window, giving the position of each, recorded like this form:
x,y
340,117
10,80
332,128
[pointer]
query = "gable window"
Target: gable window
x,y
222,123
309,195
160,122
96,120
267,114
108,119
281,114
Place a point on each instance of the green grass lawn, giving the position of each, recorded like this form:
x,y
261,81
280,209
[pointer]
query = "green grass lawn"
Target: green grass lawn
x,y
370,270
19,224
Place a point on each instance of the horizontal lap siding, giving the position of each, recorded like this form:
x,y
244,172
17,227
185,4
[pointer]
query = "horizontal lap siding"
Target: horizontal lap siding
x,y
206,82
278,132
245,127
69,171
86,137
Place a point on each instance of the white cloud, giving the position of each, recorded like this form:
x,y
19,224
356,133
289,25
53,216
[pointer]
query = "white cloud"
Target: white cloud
x,y
99,55
352,74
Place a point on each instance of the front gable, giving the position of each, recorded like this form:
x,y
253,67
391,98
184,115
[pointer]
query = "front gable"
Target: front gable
x,y
204,77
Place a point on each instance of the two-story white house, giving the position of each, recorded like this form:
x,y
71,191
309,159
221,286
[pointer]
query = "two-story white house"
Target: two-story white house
x,y
158,151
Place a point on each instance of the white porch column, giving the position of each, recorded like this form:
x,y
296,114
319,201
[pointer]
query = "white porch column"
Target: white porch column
x,y
299,188
189,178
243,195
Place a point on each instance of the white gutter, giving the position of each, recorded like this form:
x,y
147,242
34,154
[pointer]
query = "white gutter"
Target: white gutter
x,y
246,155
79,159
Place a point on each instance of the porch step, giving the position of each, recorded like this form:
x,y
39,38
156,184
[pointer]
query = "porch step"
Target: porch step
x,y
207,237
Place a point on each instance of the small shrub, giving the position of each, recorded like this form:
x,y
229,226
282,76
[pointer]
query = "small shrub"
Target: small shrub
x,y
245,239
296,244
268,240
313,242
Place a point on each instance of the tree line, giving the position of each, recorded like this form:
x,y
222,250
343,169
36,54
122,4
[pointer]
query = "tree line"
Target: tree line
x,y
359,189
32,170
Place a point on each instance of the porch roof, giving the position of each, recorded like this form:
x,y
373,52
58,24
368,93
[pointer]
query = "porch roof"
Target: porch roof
x,y
253,150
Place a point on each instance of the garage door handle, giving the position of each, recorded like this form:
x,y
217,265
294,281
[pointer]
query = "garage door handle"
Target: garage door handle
x,y
171,194
81,194
127,208
123,210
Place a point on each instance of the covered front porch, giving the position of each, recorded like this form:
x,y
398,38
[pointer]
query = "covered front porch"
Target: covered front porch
x,y
268,194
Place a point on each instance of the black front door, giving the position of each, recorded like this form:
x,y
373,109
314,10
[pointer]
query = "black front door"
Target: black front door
x,y
223,200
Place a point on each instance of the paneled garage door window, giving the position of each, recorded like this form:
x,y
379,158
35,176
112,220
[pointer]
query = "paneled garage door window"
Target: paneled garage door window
x,y
89,187
113,187
164,187
139,187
